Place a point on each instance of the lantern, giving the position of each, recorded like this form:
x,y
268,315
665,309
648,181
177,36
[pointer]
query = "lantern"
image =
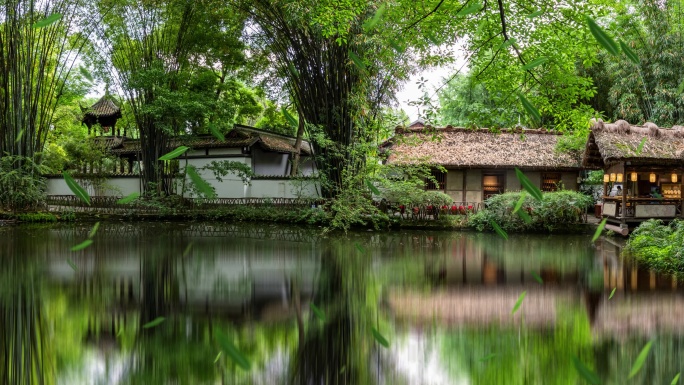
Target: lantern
x,y
619,177
633,177
606,178
612,177
674,178
651,177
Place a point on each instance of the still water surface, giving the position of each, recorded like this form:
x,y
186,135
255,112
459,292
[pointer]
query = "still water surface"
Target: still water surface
x,y
155,303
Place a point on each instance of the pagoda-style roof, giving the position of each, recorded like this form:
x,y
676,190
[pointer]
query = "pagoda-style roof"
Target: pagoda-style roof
x,y
104,111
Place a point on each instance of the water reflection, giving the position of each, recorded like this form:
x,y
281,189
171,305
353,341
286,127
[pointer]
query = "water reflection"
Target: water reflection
x,y
443,300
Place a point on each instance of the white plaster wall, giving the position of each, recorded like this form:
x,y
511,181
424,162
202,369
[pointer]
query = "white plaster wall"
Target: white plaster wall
x,y
307,166
115,186
231,187
283,188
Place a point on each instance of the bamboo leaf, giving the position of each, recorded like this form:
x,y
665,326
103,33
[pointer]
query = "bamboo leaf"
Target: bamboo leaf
x,y
359,248
535,63
187,249
357,61
519,203
599,229
535,14
585,372
19,136
232,351
372,187
680,89
76,188
154,322
531,110
499,230
519,302
602,37
469,9
128,199
319,314
217,134
217,357
93,231
373,21
675,380
379,337
525,216
537,277
528,186
640,147
397,45
174,154
631,55
506,43
48,20
612,293
203,186
72,264
641,358
488,357
82,245
290,119
86,74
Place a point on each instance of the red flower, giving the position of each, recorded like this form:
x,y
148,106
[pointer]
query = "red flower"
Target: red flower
x,y
415,210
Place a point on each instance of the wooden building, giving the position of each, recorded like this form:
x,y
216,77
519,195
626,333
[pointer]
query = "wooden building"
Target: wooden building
x,y
481,162
646,163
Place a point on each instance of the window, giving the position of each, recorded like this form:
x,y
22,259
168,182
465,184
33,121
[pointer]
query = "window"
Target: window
x,y
550,181
441,180
492,184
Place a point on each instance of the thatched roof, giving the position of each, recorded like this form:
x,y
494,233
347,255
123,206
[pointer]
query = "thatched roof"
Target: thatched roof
x,y
479,148
104,107
240,136
610,143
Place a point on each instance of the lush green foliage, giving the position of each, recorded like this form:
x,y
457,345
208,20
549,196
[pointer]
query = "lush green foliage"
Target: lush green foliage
x,y
558,211
21,185
659,246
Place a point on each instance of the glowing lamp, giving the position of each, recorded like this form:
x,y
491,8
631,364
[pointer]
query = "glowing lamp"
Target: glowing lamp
x,y
612,177
619,177
606,178
674,178
633,177
652,177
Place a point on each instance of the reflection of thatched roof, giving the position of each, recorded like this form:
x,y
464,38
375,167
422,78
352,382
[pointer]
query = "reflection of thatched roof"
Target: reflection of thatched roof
x,y
609,143
479,148
239,137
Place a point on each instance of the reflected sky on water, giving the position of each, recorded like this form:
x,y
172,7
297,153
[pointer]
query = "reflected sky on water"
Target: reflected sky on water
x,y
147,303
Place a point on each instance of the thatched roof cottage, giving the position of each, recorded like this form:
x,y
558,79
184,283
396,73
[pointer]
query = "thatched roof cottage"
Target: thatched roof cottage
x,y
482,162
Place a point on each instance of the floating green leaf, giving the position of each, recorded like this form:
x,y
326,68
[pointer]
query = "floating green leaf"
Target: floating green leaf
x,y
48,20
82,245
72,264
612,293
602,37
535,14
519,203
631,55
585,372
203,186
357,61
93,231
641,358
506,43
531,110
535,63
470,9
373,21
175,153
21,135
499,230
599,229
680,89
216,132
360,248
379,337
86,74
519,302
372,187
528,186
397,45
128,199
187,249
121,330
290,119
231,350
217,357
76,188
154,322
524,216
675,380
319,314
640,147
537,277
488,357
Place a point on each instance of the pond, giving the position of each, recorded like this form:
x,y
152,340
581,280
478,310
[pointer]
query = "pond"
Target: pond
x,y
209,303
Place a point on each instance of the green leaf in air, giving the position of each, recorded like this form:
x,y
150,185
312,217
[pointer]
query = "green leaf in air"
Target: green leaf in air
x,y
519,203
675,380
537,277
535,14
475,7
640,147
602,37
506,43
379,337
612,293
631,55
585,372
175,153
86,74
48,20
531,110
535,63
93,231
21,135
232,351
217,357
524,216
680,89
202,186
76,188
372,187
397,45
72,264
129,198
318,312
373,21
187,249
488,357
360,248
357,61
499,230
528,186
216,132
641,358
82,245
290,119
599,229
154,322
519,302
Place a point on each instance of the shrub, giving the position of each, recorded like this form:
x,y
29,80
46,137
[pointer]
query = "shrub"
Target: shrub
x,y
558,211
21,185
658,246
